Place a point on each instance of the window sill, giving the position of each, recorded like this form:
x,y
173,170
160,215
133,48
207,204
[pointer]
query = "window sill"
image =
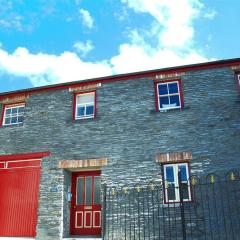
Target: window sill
x,y
170,110
176,204
83,120
12,126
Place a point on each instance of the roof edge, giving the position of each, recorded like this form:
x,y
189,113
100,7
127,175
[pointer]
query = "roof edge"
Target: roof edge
x,y
125,76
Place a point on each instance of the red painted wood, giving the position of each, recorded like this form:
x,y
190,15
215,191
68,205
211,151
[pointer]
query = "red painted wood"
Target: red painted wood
x,y
2,164
74,106
24,156
2,116
97,219
25,163
19,202
95,103
85,219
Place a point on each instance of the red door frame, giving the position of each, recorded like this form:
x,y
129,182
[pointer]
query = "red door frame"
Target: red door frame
x,y
81,214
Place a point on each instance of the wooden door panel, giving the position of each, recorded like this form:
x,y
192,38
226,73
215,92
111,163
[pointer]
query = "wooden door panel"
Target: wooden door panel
x,y
96,219
88,219
79,220
85,216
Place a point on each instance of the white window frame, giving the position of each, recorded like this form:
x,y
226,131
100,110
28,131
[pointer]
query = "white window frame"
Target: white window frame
x,y
176,182
168,95
12,115
85,105
238,79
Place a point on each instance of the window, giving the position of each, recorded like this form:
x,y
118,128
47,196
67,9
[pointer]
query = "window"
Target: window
x,y
169,95
238,81
13,114
84,105
171,182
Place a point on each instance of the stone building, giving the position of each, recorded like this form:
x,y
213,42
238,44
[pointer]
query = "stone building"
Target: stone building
x,y
61,143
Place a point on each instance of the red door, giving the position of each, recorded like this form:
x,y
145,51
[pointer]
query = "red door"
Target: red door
x,y
85,216
19,188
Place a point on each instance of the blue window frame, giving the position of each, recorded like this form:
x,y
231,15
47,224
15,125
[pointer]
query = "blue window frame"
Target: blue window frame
x,y
85,105
169,95
171,182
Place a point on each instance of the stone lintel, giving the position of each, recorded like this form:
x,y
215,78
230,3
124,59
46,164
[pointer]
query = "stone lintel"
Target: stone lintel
x,y
85,88
69,164
235,67
173,157
14,99
167,76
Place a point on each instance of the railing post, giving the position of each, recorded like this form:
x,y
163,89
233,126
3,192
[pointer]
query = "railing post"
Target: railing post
x,y
104,211
182,206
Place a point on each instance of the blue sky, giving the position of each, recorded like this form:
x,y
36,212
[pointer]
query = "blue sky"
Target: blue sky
x,y
52,41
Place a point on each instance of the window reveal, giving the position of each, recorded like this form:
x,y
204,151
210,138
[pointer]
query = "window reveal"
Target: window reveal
x,y
85,105
172,184
169,95
13,114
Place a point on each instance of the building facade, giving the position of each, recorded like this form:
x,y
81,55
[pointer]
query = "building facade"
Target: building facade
x,y
61,144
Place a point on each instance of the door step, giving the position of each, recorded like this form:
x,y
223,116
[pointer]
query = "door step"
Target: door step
x,y
15,238
82,238
23,238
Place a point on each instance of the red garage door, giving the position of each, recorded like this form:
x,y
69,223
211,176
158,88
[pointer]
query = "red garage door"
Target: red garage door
x,y
19,189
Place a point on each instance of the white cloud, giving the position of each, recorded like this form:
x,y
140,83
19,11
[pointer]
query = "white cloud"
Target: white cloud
x,y
86,18
211,14
83,47
172,29
133,58
42,69
173,19
14,22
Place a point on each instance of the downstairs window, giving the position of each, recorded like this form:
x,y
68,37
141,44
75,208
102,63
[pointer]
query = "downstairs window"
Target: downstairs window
x,y
172,182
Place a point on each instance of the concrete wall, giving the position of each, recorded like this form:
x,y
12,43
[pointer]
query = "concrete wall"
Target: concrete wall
x,y
129,132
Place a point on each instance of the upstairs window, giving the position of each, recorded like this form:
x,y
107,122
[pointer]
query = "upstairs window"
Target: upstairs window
x,y
13,114
84,105
238,81
169,95
171,182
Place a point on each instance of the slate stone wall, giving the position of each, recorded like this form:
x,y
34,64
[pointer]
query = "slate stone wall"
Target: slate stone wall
x,y
129,132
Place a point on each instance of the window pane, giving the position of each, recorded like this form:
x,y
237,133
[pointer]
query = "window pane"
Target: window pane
x,y
85,98
97,187
14,120
80,188
20,110
185,192
8,111
164,102
7,120
169,174
183,172
20,119
174,101
171,192
89,110
14,110
162,89
173,87
88,190
80,111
